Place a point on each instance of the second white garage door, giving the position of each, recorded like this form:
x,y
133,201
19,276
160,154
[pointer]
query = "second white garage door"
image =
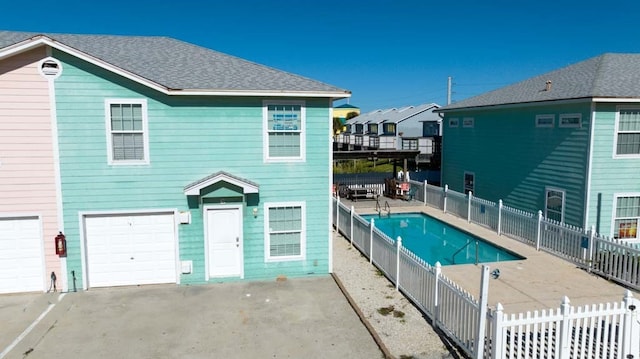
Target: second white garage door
x,y
130,249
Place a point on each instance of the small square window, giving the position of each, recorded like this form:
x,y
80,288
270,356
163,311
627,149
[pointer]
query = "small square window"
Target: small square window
x,y
545,120
573,120
467,122
454,122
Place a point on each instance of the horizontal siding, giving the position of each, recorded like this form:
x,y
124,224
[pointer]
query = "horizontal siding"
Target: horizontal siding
x,y
608,175
514,161
27,174
189,138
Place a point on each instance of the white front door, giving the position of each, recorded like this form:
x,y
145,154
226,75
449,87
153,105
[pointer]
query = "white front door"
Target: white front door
x,y
224,233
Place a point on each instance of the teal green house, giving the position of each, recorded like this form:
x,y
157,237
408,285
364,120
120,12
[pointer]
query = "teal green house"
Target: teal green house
x,y
179,164
566,142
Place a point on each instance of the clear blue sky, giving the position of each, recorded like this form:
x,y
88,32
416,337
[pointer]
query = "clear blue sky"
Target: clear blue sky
x,y
388,53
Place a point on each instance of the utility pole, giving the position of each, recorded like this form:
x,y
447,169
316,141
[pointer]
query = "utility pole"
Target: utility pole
x,y
449,90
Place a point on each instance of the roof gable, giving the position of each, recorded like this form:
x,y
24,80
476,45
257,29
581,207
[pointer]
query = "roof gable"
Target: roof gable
x,y
605,76
175,65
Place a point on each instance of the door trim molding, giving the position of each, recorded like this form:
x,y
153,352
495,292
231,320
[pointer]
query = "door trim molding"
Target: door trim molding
x,y
205,227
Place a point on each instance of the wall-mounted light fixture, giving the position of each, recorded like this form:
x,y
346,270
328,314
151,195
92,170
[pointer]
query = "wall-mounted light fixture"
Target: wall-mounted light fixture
x,y
255,212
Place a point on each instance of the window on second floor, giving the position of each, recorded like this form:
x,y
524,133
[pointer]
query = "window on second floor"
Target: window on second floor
x,y
359,128
430,129
628,132
573,120
127,137
372,128
284,131
389,129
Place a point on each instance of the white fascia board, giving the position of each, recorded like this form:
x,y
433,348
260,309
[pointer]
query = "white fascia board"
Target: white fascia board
x,y
43,40
616,99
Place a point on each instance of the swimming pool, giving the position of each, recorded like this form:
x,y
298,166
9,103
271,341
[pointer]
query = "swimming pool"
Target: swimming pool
x,y
435,241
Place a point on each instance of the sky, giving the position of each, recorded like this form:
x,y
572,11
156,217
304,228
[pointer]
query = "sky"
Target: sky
x,y
387,53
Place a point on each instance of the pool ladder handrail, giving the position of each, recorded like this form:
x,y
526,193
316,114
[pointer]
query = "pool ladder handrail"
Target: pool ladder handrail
x,y
453,257
380,209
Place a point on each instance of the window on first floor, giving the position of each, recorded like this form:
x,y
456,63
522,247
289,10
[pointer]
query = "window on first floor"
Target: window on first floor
x,y
627,217
285,231
127,137
469,182
410,144
628,132
284,131
554,204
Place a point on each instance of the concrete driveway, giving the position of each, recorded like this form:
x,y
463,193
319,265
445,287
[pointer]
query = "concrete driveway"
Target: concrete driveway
x,y
294,318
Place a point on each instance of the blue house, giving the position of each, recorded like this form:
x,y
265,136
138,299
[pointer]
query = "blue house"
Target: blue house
x,y
179,164
566,142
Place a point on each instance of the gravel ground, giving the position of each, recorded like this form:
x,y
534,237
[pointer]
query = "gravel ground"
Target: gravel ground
x,y
401,327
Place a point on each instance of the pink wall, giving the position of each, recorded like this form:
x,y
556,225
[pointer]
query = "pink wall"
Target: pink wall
x,y
27,175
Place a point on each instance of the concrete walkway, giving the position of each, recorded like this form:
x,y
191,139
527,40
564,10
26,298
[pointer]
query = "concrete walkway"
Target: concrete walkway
x,y
538,282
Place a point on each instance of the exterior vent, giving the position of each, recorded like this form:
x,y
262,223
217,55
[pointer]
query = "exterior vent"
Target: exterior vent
x,y
547,85
50,68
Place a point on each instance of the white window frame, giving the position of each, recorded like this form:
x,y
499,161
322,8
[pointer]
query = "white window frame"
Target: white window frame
x,y
614,209
454,122
267,232
145,130
468,122
546,200
265,130
545,117
570,125
615,133
465,189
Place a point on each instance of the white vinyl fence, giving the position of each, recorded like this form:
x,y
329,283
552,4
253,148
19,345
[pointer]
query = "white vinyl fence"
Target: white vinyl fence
x,y
615,260
603,331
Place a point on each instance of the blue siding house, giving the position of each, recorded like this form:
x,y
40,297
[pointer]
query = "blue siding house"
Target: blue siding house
x,y
566,142
179,164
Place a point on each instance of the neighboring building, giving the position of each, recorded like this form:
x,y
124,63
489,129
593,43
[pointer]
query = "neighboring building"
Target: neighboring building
x,y
343,110
161,162
407,128
566,142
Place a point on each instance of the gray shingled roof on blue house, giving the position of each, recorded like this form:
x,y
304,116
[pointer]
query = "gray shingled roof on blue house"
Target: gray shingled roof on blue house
x,y
177,65
606,76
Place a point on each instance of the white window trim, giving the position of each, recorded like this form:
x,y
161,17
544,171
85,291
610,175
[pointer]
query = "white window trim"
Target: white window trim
x,y
267,236
145,130
547,189
468,122
464,181
549,116
615,133
454,122
265,131
570,115
614,207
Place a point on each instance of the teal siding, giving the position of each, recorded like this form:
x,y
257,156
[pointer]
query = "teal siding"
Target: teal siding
x,y
189,138
513,160
609,175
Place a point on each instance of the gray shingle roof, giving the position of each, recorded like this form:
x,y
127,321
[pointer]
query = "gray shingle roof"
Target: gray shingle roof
x,y
178,65
606,76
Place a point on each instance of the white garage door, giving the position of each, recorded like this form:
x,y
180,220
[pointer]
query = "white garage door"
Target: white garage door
x,y
130,249
21,261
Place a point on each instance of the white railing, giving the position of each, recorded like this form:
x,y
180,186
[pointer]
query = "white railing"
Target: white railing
x,y
607,257
596,331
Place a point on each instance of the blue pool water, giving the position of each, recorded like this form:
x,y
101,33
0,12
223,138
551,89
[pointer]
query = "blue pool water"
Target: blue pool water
x,y
435,241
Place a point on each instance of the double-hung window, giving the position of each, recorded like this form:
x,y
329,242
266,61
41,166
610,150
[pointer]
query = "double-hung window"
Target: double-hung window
x,y
127,137
628,132
627,217
284,124
285,231
554,204
389,129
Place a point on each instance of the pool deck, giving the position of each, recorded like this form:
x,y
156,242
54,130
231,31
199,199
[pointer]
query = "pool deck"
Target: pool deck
x,y
538,282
